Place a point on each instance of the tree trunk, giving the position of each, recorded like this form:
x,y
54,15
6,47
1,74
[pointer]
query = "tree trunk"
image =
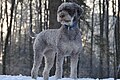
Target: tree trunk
x,y
7,38
1,28
107,37
118,41
92,32
30,39
53,6
101,36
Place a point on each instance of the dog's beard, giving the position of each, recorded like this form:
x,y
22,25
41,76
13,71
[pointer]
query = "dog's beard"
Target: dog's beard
x,y
66,21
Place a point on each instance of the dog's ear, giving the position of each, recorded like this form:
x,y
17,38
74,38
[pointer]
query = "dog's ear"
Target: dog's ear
x,y
79,10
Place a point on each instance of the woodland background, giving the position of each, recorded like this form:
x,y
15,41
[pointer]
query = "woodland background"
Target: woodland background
x,y
99,25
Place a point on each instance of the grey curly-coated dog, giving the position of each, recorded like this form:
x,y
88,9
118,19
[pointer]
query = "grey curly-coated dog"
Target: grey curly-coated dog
x,y
62,42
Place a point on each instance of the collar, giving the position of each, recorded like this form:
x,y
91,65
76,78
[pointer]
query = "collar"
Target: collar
x,y
69,27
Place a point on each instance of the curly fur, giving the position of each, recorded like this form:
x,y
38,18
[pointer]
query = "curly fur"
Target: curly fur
x,y
60,42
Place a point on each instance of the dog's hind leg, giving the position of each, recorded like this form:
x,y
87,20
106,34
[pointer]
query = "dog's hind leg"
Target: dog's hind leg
x,y
37,62
49,61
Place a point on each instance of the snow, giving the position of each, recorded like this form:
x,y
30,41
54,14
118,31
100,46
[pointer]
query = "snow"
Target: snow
x,y
20,77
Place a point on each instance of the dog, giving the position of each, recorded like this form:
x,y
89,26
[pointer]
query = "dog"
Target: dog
x,y
62,42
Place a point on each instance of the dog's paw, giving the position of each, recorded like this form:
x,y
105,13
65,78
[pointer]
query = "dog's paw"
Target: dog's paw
x,y
33,79
34,74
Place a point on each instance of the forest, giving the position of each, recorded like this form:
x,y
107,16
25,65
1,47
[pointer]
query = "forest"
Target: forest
x,y
99,26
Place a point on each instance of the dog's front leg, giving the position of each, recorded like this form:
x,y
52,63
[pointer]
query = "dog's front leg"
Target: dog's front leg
x,y
59,66
74,61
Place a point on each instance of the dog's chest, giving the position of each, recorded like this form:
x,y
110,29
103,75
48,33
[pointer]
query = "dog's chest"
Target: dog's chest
x,y
70,47
70,42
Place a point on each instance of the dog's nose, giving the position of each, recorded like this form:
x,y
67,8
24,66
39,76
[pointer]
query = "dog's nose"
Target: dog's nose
x,y
62,15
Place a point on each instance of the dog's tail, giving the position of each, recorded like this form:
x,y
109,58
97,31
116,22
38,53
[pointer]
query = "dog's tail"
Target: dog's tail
x,y
31,33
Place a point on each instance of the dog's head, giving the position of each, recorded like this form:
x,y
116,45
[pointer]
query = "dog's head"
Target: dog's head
x,y
68,13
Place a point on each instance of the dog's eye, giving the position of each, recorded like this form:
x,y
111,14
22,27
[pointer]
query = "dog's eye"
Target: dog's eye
x,y
59,11
70,11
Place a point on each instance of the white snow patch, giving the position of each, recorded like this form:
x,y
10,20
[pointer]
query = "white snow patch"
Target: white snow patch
x,y
20,77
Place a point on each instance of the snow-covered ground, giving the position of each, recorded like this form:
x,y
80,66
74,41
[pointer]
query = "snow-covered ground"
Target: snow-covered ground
x,y
20,77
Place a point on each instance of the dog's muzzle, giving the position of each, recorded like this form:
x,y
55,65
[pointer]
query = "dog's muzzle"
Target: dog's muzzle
x,y
65,19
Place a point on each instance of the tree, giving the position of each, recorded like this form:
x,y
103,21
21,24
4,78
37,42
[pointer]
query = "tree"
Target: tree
x,y
53,5
92,32
30,40
117,40
7,38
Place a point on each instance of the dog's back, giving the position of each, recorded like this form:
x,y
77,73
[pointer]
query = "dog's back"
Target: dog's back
x,y
47,38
